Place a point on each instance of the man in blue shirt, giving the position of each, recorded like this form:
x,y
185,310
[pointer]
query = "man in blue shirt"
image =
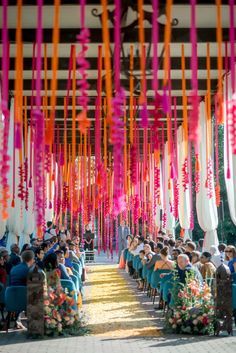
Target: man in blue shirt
x,y
19,273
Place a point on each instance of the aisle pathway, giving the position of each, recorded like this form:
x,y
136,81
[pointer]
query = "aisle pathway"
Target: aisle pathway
x,y
112,308
119,322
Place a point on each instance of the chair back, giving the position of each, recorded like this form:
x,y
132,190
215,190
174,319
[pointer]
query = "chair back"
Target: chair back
x,y
2,293
75,281
16,298
156,277
77,267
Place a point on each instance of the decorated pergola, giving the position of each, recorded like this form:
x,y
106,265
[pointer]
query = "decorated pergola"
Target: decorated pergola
x,y
108,107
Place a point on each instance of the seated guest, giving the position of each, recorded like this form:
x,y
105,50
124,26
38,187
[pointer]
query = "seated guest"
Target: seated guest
x,y
184,267
175,253
3,271
230,256
61,265
200,245
39,255
196,259
179,242
5,255
153,256
35,243
159,247
68,262
139,245
14,258
216,257
18,274
152,244
207,268
50,232
25,247
165,263
72,255
45,246
190,247
53,245
171,244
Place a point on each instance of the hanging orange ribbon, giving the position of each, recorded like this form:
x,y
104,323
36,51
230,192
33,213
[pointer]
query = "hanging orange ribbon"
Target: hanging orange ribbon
x,y
54,65
167,40
107,60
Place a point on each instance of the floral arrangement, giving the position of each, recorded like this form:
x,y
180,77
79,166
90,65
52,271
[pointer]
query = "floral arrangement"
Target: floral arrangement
x,y
193,310
60,317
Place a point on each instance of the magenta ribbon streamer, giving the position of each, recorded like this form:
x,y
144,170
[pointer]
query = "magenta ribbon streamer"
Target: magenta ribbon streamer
x,y
232,44
176,136
190,188
216,144
155,45
98,119
39,129
228,172
117,132
82,62
194,115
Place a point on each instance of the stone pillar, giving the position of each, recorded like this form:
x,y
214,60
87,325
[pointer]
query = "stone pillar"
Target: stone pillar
x,y
36,287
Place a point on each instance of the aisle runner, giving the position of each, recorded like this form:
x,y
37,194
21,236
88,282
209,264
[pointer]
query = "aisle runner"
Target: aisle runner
x,y
111,306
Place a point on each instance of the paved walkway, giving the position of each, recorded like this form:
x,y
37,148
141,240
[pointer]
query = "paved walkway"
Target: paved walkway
x,y
106,337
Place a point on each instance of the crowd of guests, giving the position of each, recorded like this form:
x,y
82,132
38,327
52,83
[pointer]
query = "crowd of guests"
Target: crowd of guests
x,y
56,251
168,254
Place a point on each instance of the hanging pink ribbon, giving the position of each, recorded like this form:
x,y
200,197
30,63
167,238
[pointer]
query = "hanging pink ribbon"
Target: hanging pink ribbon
x,y
39,131
83,65
228,172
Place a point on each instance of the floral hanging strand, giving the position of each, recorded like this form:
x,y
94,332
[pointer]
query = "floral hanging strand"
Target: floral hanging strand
x,y
117,128
83,65
39,132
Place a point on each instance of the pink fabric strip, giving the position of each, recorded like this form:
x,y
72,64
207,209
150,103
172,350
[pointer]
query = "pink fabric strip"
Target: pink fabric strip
x,y
228,172
216,145
232,44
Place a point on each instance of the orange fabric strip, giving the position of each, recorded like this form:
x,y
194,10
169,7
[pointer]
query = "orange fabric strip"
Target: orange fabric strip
x,y
167,39
107,59
54,65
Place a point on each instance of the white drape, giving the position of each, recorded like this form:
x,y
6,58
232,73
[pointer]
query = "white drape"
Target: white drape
x,y
15,221
170,223
231,182
184,196
206,207
29,216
